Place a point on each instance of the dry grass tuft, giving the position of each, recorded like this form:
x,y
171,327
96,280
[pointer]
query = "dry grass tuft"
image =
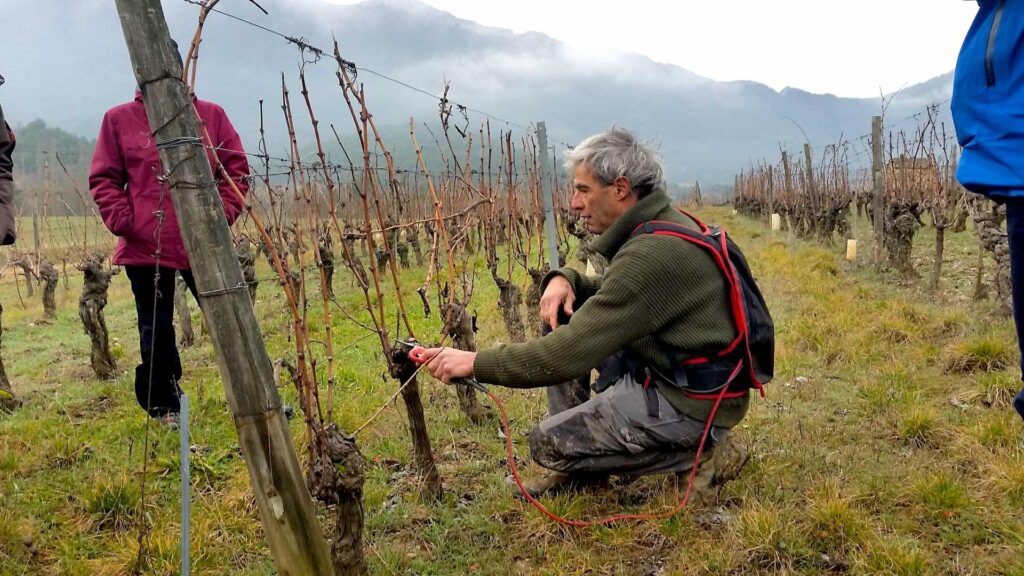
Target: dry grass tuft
x,y
981,354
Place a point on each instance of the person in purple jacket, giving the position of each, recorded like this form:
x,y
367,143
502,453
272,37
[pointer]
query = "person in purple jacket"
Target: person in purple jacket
x,y
7,225
135,206
988,111
8,401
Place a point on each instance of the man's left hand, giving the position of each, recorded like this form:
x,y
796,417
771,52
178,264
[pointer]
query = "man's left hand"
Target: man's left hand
x,y
447,364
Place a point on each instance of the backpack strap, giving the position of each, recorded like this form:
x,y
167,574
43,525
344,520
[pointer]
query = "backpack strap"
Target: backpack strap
x,y
714,242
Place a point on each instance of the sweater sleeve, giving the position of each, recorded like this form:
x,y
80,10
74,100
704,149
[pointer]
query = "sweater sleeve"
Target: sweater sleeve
x,y
107,180
608,321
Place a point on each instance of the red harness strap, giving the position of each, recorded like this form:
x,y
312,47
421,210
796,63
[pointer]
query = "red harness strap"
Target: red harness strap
x,y
719,255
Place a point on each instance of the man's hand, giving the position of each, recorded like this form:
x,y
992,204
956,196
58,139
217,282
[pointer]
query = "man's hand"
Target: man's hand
x,y
558,297
447,364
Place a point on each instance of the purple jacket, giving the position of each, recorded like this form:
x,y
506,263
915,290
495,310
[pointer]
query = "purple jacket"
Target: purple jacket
x,y
123,182
7,225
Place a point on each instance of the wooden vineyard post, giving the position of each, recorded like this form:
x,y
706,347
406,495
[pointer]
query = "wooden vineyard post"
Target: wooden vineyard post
x,y
566,395
549,202
284,501
812,193
787,174
878,175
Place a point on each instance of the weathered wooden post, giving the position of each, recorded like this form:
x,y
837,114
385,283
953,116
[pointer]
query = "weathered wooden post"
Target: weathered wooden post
x,y
787,178
284,501
549,203
812,192
37,233
878,176
574,392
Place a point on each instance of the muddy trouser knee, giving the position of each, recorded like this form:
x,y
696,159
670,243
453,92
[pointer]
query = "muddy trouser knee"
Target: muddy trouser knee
x,y
626,429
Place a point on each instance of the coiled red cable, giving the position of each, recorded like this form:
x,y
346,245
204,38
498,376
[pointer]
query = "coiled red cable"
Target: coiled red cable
x,y
416,354
614,517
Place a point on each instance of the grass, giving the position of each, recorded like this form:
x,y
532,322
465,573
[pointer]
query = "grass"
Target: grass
x,y
113,504
861,463
837,524
980,354
999,388
918,426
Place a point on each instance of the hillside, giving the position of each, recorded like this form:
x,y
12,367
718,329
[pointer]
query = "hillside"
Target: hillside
x,y
707,129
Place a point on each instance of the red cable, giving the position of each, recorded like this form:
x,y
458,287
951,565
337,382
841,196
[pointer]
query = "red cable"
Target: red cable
x,y
416,354
614,517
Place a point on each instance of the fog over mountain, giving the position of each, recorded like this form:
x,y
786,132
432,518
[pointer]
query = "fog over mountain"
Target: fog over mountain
x,y
66,63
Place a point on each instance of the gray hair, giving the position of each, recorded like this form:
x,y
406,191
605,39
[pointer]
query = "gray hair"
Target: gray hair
x,y
616,153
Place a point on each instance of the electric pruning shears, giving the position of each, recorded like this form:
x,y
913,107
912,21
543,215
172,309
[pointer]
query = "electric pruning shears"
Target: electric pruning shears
x,y
417,354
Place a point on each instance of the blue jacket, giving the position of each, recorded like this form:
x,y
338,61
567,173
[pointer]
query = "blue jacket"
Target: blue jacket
x,y
988,101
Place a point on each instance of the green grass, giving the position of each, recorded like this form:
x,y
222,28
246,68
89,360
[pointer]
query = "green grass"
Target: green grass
x,y
981,354
863,465
918,426
999,388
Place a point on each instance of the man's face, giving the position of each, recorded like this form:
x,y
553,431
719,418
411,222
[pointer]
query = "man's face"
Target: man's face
x,y
599,204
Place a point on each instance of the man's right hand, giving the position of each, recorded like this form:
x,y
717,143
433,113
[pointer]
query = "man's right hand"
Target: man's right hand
x,y
558,297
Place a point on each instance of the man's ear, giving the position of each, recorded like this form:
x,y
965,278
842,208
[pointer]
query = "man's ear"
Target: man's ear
x,y
622,188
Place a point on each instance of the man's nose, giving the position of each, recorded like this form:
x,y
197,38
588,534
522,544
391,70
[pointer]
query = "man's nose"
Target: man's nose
x,y
574,202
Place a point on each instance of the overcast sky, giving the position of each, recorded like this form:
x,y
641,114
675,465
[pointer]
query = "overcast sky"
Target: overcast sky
x,y
845,47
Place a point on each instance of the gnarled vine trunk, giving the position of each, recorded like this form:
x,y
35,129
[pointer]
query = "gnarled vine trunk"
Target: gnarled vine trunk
x,y
404,370
339,485
50,277
188,335
26,268
902,221
462,328
412,238
988,220
509,300
90,310
247,260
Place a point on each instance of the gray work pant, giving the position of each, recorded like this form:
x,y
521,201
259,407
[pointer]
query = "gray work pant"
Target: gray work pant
x,y
622,430
566,395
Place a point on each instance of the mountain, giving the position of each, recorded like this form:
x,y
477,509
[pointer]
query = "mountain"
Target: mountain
x,y
65,62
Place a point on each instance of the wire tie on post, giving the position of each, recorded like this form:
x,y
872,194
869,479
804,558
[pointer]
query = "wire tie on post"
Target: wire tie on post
x,y
241,286
179,141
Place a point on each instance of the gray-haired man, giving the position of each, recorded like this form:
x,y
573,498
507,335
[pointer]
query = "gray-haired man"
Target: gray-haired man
x,y
661,301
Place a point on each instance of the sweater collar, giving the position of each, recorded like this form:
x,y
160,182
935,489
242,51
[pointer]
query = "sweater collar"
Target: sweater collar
x,y
648,208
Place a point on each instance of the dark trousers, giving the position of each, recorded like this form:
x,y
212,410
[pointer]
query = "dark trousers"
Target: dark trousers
x,y
157,376
1015,234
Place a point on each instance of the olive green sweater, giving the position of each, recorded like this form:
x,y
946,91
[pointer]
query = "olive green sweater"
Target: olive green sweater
x,y
660,297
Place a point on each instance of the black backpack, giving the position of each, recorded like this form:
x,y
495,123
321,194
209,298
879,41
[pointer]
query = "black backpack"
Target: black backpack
x,y
749,360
